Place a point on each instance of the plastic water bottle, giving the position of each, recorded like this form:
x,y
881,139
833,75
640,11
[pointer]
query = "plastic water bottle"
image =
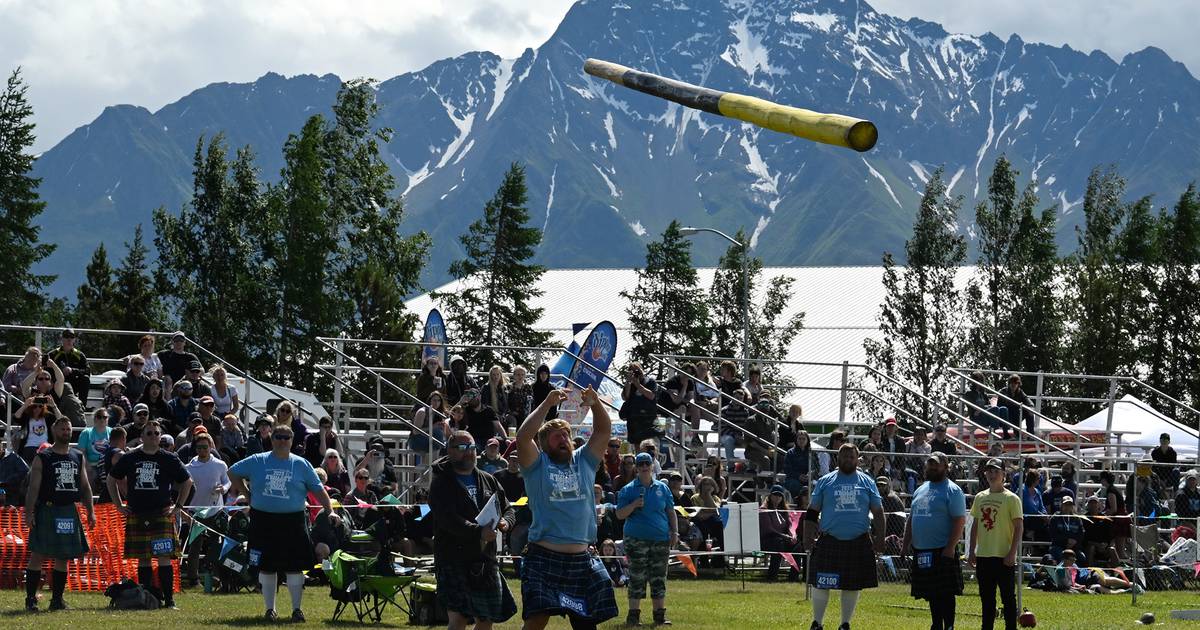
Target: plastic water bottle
x,y
208,584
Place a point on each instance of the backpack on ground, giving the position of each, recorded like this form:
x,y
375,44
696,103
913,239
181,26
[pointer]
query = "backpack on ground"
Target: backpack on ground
x,y
129,595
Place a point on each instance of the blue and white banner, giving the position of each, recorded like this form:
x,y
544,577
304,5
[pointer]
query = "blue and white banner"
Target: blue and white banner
x,y
435,333
597,351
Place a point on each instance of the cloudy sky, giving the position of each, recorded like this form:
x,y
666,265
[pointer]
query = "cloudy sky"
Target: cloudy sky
x,y
78,57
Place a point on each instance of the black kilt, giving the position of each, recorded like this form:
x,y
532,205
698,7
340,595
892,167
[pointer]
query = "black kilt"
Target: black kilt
x,y
279,542
485,596
848,565
941,576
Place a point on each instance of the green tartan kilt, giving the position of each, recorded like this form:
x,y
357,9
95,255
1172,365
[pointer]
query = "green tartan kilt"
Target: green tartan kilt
x,y
151,535
57,532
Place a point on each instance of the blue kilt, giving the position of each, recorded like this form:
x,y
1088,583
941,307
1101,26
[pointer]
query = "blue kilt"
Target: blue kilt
x,y
566,583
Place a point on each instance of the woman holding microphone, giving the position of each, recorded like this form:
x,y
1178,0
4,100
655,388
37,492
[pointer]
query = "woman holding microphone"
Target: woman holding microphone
x,y
648,509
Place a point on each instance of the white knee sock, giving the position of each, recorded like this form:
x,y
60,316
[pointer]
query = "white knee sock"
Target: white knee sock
x,y
295,584
269,583
820,599
849,601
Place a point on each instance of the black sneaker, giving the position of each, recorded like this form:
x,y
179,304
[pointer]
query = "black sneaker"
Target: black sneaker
x,y
816,626
271,616
845,626
170,604
298,616
58,604
31,604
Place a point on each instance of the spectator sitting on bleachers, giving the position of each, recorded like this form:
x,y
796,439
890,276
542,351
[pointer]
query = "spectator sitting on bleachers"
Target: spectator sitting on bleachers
x,y
763,420
434,418
511,481
874,439
495,393
491,462
182,406
176,360
542,388
336,474
798,464
681,495
52,383
361,517
1036,525
260,440
893,443
983,409
16,373
520,396
712,470
1067,532
231,441
316,445
826,459
74,364
114,394
383,476
708,520
648,446
195,375
734,415
877,465
1053,497
224,393
458,382
727,379
608,522
794,425
287,414
1098,535
154,397
482,421
33,421
775,529
152,366
93,441
1068,474
754,383
183,440
707,395
893,506
918,451
941,443
133,428
135,379
432,379
639,409
1030,464
1165,454
612,458
1187,502
206,407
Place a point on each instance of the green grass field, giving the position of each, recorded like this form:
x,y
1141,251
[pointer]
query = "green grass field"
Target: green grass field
x,y
691,604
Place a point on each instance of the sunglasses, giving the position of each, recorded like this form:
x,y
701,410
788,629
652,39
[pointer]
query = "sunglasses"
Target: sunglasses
x,y
43,378
151,433
640,464
280,436
331,457
362,478
202,445
143,413
464,447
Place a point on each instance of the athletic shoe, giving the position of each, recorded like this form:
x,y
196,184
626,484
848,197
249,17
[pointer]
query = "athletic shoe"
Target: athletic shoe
x,y
169,604
816,626
58,604
31,604
271,616
633,618
298,616
845,626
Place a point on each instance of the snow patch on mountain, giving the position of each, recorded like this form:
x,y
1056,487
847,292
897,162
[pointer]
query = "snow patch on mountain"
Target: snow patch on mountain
x,y
885,183
503,74
819,21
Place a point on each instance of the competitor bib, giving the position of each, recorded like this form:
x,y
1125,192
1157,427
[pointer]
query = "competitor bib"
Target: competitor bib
x,y
829,580
232,564
64,526
925,560
256,556
162,546
572,604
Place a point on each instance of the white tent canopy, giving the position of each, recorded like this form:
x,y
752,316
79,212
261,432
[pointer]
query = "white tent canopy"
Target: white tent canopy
x,y
1141,424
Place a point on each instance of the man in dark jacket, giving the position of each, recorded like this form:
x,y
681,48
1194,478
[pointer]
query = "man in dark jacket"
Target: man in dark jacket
x,y
464,551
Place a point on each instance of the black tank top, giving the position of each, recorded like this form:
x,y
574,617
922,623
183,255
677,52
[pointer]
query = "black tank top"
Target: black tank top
x,y
60,477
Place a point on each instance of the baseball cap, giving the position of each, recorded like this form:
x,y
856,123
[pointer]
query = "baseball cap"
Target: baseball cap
x,y
778,489
166,441
939,457
198,430
195,365
178,334
195,417
890,421
68,333
185,385
207,400
1068,499
882,479
674,474
643,458
140,407
993,463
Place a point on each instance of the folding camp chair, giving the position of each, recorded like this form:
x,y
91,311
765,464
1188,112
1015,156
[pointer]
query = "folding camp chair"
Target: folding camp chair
x,y
353,584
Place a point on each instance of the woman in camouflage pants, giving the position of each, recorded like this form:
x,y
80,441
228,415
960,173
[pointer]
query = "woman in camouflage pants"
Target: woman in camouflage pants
x,y
648,509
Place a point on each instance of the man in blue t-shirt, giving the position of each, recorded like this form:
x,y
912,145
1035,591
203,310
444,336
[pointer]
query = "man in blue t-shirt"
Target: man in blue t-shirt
x,y
842,507
939,511
280,482
559,576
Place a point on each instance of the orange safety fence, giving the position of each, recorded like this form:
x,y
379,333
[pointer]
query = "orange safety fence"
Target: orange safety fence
x,y
104,563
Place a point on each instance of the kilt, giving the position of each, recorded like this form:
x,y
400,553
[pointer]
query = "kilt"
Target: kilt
x,y
935,574
151,535
57,532
493,602
848,565
279,542
566,583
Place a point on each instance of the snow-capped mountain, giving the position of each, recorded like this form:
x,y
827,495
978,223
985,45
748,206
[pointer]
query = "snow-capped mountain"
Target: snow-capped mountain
x,y
608,168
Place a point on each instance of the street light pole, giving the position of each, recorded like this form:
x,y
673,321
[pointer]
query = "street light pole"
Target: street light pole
x,y
690,231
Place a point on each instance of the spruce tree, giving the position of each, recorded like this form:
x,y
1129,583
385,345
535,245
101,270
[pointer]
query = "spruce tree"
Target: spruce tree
x,y
989,295
921,316
97,304
24,291
666,315
1033,330
491,307
139,302
727,297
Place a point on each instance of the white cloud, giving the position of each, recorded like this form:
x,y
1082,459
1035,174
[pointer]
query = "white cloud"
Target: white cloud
x,y
78,57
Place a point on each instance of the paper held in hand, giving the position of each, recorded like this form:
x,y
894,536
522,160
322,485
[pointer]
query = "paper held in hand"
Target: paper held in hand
x,y
489,516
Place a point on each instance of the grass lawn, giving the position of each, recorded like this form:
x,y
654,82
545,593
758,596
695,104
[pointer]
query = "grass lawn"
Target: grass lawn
x,y
691,604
